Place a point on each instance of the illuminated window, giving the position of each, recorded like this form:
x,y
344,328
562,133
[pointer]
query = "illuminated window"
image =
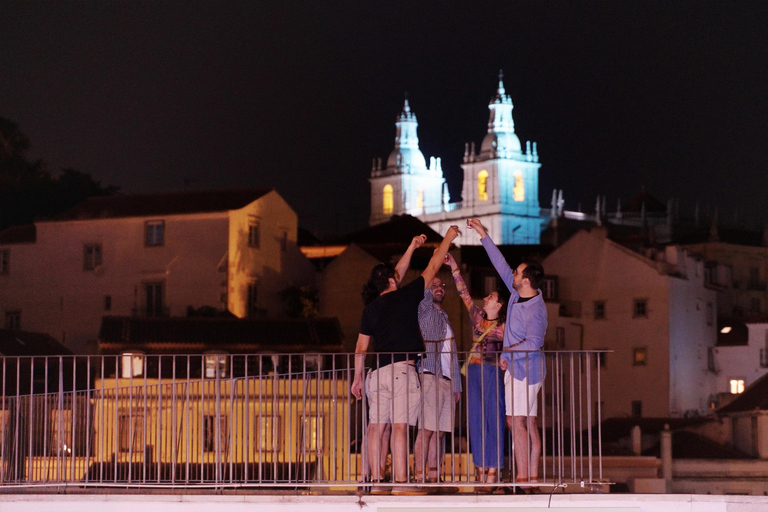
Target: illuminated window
x,y
388,200
737,386
254,234
130,432
482,186
269,433
13,320
639,357
640,308
420,198
91,256
154,233
5,261
518,191
599,310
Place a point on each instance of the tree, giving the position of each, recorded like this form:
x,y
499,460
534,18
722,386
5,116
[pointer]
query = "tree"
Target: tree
x,y
28,191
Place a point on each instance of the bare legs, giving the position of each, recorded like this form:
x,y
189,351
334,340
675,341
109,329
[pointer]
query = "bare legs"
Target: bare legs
x,y
520,426
431,442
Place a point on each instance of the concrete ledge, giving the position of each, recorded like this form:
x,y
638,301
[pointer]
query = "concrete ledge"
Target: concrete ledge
x,y
353,503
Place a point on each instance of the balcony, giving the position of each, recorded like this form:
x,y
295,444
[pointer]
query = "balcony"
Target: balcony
x,y
264,421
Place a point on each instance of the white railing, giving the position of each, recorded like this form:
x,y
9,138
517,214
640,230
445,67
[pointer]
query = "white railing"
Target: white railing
x,y
256,421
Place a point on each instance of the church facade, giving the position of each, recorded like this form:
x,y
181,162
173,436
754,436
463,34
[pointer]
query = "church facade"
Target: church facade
x,y
500,186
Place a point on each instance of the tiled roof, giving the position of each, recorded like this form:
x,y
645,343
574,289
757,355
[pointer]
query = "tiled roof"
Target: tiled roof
x,y
26,234
400,229
164,335
755,397
143,205
23,343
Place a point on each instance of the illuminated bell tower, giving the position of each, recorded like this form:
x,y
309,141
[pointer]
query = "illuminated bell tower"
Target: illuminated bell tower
x,y
501,182
406,184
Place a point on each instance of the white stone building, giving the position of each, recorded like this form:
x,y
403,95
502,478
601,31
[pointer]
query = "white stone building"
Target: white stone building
x,y
653,310
150,255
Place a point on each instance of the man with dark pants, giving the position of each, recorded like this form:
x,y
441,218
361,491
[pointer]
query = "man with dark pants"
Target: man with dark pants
x,y
392,387
522,358
440,383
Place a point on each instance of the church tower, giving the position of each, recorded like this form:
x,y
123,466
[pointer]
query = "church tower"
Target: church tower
x,y
501,182
406,184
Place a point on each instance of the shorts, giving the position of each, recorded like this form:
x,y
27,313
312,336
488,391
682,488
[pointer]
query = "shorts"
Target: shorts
x,y
437,401
393,394
523,405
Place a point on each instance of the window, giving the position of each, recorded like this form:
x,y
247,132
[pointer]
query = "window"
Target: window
x,y
420,198
482,186
639,356
600,357
710,313
284,241
549,288
737,386
388,201
599,310
91,256
518,191
107,303
13,320
269,433
154,295
214,432
313,433
5,261
155,232
560,337
254,233
131,433
253,296
640,308
637,409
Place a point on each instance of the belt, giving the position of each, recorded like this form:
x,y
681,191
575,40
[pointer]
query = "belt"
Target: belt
x,y
430,373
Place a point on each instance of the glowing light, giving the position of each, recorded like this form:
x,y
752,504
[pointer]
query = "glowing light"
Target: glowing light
x,y
737,386
518,191
482,186
725,330
388,201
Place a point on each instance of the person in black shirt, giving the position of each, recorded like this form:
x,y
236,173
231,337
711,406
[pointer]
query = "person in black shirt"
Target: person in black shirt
x,y
390,319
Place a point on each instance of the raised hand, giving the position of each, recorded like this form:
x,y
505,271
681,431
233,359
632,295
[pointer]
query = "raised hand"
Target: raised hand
x,y
418,241
452,233
450,261
478,227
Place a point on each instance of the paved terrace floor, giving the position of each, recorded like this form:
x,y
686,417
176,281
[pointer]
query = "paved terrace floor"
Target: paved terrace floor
x,y
293,502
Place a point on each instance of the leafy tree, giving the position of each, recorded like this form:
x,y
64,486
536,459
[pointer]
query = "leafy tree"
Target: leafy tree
x,y
28,191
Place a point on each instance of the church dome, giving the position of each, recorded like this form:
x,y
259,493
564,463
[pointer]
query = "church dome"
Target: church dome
x,y
411,158
501,142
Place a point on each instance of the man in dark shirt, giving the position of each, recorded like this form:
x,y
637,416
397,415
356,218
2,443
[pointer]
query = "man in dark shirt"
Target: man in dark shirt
x,y
391,320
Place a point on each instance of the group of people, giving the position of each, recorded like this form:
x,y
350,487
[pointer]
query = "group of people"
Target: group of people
x,y
415,375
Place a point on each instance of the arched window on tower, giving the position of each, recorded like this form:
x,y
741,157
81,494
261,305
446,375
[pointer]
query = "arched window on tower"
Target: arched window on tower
x,y
518,191
420,198
388,201
482,185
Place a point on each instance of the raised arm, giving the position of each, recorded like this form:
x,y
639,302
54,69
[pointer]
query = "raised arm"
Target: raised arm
x,y
405,260
461,287
499,263
439,255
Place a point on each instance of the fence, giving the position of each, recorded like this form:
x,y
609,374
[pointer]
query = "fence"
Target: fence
x,y
260,421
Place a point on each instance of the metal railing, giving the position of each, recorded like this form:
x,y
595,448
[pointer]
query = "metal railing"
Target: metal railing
x,y
260,421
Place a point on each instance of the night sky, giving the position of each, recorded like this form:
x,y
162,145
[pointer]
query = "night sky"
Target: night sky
x,y
157,96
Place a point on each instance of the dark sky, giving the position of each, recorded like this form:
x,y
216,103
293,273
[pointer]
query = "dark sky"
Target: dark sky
x,y
157,96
